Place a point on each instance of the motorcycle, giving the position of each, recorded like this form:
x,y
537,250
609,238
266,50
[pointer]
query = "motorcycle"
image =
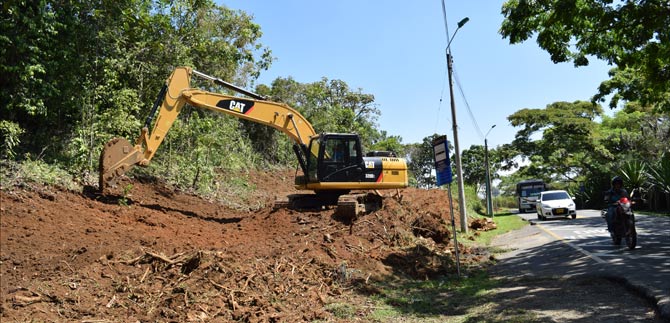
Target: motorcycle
x,y
624,224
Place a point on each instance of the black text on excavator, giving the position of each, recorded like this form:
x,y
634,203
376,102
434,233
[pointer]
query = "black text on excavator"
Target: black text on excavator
x,y
332,164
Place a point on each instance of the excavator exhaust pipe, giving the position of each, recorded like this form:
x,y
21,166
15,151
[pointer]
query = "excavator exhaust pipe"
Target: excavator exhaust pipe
x,y
117,157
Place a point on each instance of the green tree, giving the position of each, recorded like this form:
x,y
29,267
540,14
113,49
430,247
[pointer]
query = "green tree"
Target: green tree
x,y
422,161
384,142
329,105
474,164
568,147
635,176
635,133
631,35
659,176
9,138
78,73
198,146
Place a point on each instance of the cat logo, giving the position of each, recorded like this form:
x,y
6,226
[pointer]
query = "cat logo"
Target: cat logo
x,y
369,164
240,106
236,106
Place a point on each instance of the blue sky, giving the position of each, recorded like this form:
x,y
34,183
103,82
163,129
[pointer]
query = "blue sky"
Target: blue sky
x,y
395,50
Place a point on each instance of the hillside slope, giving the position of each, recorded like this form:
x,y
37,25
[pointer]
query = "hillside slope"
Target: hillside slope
x,y
156,253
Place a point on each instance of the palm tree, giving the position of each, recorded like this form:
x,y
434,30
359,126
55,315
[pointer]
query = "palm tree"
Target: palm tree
x,y
659,176
634,174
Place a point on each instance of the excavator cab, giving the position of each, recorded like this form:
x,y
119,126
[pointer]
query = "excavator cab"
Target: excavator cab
x,y
338,159
335,162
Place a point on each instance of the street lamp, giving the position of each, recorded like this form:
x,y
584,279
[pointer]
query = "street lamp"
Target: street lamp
x,y
459,169
489,203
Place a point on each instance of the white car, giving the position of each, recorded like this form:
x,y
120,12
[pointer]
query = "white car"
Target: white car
x,y
555,204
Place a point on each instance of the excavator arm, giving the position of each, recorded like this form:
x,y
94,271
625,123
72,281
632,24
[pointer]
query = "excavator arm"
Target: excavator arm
x,y
119,156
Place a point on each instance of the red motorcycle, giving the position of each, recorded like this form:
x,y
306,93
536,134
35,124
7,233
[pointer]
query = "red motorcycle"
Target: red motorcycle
x,y
624,224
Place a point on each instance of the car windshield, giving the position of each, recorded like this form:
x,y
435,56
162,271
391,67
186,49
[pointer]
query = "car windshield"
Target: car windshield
x,y
555,196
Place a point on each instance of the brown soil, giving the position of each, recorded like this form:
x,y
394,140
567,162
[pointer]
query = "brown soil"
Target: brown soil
x,y
157,254
162,255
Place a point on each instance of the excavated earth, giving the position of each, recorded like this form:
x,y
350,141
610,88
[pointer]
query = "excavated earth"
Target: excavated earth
x,y
148,252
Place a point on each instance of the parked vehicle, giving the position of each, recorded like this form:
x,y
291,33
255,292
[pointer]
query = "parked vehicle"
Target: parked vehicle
x,y
556,203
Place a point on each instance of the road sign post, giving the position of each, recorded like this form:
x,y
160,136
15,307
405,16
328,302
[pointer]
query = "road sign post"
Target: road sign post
x,y
444,176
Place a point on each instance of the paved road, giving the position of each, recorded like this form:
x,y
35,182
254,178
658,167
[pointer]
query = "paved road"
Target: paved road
x,y
566,247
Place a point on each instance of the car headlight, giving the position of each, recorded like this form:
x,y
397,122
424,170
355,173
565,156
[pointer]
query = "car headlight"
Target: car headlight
x,y
546,206
571,205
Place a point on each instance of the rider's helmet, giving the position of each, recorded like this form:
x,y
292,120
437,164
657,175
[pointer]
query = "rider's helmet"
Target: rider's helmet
x,y
617,179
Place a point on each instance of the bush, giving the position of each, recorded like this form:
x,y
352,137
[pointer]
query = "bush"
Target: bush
x,y
474,204
508,202
9,138
37,172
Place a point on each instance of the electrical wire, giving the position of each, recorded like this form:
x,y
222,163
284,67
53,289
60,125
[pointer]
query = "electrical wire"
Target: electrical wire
x,y
446,30
444,15
458,83
444,80
467,105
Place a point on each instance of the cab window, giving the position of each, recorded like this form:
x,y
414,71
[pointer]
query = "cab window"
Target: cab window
x,y
312,160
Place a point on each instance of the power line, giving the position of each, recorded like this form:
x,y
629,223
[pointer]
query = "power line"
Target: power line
x,y
446,31
472,117
444,81
444,15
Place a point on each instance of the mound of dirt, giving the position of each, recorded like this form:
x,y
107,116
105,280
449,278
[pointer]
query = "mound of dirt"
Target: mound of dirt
x,y
153,253
483,224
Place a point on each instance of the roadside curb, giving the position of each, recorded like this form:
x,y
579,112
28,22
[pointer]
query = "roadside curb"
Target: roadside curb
x,y
662,303
656,296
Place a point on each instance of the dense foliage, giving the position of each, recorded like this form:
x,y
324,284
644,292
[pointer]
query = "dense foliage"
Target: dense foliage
x,y
571,146
632,35
575,151
574,147
78,73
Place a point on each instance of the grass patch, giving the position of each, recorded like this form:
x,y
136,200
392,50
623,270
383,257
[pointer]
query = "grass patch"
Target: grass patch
x,y
36,172
428,299
505,222
476,298
341,310
448,299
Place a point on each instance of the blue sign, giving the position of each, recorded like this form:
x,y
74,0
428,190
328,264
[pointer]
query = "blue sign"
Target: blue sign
x,y
442,162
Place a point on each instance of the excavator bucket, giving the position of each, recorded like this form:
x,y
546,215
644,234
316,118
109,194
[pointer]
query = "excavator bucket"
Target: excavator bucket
x,y
117,157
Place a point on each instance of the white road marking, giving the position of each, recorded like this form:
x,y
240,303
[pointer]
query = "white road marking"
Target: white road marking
x,y
576,247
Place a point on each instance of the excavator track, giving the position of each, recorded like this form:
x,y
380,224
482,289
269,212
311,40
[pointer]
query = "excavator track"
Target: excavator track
x,y
351,206
300,202
348,206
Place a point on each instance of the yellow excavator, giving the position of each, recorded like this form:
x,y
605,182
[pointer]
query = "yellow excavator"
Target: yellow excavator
x,y
333,164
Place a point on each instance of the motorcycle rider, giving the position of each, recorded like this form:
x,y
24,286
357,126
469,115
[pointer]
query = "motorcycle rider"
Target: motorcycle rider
x,y
613,195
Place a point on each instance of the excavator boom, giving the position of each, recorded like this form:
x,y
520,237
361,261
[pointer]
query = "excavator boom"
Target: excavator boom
x,y
119,156
333,164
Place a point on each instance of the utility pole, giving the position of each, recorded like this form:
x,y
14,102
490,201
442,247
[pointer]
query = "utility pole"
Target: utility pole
x,y
489,203
457,152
